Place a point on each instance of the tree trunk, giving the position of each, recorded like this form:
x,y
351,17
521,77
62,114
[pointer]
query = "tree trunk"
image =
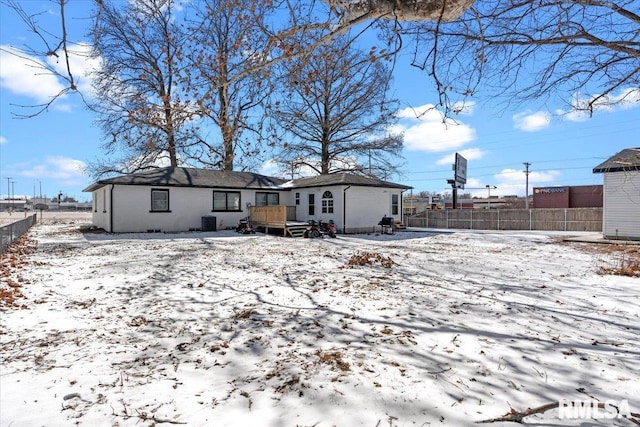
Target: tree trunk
x,y
226,128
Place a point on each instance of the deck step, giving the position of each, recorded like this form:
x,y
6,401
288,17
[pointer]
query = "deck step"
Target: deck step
x,y
296,230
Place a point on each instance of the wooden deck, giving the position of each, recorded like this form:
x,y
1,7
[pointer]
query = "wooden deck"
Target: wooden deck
x,y
278,217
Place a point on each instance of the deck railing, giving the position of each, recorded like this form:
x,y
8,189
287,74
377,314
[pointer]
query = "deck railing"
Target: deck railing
x,y
278,214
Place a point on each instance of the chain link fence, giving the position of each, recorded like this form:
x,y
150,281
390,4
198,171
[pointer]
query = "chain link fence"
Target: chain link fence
x,y
9,233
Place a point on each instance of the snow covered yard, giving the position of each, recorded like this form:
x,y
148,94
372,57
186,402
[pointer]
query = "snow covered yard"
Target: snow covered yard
x,y
220,329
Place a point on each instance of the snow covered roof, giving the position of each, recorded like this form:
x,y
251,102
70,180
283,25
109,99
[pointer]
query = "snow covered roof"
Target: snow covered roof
x,y
191,177
624,161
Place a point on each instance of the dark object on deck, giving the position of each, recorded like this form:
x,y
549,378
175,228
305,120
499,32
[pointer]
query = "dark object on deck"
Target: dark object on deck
x,y
386,223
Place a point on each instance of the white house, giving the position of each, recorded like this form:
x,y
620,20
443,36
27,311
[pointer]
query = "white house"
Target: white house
x,y
183,199
355,203
621,195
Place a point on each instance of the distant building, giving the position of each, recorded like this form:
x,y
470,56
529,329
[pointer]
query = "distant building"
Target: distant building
x,y
582,196
413,205
621,212
489,203
13,204
461,204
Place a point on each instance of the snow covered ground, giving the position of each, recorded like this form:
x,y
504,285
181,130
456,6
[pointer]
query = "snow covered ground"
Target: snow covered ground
x,y
219,329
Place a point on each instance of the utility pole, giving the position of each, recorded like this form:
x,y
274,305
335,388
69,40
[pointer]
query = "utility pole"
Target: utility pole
x,y
8,188
526,172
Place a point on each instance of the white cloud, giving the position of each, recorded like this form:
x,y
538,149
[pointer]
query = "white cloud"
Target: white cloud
x,y
3,140
162,160
81,65
426,129
512,181
625,99
272,168
465,108
64,170
269,168
25,75
28,76
468,153
531,122
574,115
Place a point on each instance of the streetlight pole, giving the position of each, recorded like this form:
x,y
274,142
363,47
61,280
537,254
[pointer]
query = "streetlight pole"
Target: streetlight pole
x,y
489,187
526,172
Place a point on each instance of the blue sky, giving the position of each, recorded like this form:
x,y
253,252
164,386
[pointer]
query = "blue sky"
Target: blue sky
x,y
50,150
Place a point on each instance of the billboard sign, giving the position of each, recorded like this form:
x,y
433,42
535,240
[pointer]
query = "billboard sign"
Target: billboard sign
x,y
460,168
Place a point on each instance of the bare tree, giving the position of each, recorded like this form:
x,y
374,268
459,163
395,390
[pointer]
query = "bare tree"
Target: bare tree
x,y
337,111
229,89
583,50
588,49
51,45
137,100
295,20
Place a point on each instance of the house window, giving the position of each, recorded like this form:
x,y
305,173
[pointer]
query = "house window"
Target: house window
x,y
327,202
267,199
159,200
312,204
297,198
395,204
226,201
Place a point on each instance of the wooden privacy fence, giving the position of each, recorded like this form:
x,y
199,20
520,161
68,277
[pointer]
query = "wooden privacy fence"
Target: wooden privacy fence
x,y
570,219
276,215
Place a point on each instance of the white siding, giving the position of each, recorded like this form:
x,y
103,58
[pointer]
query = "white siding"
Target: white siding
x,y
302,210
621,218
101,203
365,206
187,206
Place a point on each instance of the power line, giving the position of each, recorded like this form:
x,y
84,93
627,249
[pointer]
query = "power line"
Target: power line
x,y
511,164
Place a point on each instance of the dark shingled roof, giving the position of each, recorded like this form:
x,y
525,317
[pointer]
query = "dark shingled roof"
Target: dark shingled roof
x,y
625,161
189,177
343,178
